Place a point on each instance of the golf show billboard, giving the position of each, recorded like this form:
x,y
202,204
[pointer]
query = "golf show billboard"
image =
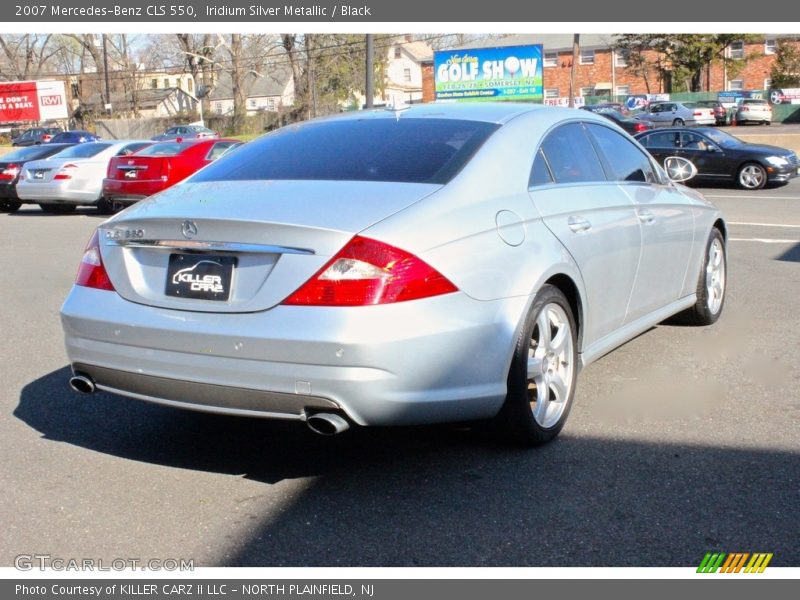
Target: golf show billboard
x,y
507,73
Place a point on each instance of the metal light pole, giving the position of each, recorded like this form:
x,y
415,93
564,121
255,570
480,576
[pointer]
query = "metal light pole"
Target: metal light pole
x,y
105,69
370,74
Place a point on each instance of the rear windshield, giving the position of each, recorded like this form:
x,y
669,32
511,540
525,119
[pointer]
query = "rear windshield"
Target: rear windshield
x,y
403,150
86,150
164,149
29,153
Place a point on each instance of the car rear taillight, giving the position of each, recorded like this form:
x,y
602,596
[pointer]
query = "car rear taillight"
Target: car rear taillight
x,y
64,172
640,127
91,272
367,272
47,137
10,172
698,113
166,167
744,109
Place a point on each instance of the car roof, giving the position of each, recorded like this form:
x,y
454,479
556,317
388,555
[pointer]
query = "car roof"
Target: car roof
x,y
489,112
703,130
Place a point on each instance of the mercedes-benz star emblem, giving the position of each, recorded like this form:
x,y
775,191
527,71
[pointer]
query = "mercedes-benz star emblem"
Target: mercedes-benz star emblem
x,y
189,229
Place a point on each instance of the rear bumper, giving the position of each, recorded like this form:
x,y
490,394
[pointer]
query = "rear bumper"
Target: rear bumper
x,y
57,192
131,191
435,360
8,191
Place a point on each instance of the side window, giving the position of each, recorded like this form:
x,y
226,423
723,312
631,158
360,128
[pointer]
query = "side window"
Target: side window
x,y
655,108
540,174
693,141
624,161
571,156
664,139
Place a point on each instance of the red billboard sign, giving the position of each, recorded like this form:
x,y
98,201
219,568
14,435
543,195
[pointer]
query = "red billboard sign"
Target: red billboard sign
x,y
32,101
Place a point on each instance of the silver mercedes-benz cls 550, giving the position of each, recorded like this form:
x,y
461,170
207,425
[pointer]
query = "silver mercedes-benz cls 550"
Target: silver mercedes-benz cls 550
x,y
439,263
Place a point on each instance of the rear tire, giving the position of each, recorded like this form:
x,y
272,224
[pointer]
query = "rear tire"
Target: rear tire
x,y
541,379
711,285
58,209
9,206
678,123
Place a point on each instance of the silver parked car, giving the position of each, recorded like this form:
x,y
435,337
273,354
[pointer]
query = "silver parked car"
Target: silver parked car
x,y
752,110
74,176
427,264
185,132
677,114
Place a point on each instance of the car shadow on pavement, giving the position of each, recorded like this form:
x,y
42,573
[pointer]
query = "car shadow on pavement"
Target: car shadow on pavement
x,y
446,497
791,255
80,212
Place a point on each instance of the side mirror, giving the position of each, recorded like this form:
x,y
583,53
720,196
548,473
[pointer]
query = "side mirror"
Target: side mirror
x,y
679,169
711,149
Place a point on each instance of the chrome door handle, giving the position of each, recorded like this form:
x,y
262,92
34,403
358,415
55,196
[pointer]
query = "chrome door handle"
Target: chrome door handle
x,y
578,224
646,217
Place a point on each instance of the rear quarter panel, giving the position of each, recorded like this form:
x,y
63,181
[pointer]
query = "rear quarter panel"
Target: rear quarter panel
x,y
456,229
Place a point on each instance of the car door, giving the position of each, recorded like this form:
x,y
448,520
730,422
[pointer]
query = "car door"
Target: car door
x,y
593,219
665,218
655,114
707,156
661,144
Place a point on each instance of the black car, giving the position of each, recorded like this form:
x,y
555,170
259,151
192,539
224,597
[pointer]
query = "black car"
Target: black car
x,y
35,135
11,166
632,126
617,106
74,137
722,157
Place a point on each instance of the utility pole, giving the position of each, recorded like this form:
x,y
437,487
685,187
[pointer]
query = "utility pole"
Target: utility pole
x,y
576,40
105,69
370,74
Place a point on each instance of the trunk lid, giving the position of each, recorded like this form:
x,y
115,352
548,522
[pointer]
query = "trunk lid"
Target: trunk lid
x,y
135,168
43,171
279,234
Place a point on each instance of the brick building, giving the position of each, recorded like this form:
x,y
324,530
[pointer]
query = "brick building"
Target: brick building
x,y
604,70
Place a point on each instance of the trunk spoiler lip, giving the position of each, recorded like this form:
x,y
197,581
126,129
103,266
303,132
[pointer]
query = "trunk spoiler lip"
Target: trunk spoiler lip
x,y
207,246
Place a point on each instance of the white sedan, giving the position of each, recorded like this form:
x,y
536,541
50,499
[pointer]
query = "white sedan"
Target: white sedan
x,y
73,177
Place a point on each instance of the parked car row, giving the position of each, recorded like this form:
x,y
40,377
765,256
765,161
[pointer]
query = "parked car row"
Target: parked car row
x,y
699,113
106,174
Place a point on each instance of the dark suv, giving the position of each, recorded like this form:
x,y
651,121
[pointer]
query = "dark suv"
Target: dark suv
x,y
35,135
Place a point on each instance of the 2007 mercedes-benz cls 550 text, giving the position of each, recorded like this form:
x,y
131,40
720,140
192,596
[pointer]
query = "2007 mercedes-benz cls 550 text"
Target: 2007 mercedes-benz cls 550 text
x,y
440,263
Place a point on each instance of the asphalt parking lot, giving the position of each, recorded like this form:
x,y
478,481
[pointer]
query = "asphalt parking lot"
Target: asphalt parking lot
x,y
683,441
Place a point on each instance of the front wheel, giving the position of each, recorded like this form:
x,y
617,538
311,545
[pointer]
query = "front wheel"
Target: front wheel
x,y
541,380
9,206
678,123
711,284
752,176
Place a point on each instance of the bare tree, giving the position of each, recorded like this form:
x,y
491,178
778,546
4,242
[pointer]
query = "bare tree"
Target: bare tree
x,y
27,56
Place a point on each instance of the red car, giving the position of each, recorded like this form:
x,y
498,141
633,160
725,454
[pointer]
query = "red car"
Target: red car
x,y
157,167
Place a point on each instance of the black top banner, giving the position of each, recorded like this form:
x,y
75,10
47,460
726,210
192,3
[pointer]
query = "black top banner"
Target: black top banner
x,y
412,11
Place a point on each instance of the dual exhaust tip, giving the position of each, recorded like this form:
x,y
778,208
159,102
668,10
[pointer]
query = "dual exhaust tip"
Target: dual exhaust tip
x,y
320,423
82,383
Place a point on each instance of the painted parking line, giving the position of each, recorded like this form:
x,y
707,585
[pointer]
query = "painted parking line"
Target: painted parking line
x,y
744,197
763,224
764,240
